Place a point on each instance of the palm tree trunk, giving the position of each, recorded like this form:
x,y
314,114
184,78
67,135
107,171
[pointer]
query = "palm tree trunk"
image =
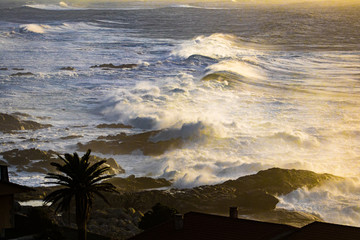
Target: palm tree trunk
x,y
81,217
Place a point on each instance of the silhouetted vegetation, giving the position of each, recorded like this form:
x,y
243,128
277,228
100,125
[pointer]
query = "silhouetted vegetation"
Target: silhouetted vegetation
x,y
80,181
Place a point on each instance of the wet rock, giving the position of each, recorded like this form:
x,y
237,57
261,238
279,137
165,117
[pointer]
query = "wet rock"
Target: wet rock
x,y
127,144
280,181
132,183
22,74
68,69
24,157
110,162
18,69
113,125
252,194
71,137
112,66
3,69
35,160
10,122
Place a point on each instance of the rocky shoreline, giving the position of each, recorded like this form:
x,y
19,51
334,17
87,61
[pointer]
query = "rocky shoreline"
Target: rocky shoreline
x,y
255,195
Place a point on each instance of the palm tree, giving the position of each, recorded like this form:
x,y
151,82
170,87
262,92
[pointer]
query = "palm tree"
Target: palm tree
x,y
81,181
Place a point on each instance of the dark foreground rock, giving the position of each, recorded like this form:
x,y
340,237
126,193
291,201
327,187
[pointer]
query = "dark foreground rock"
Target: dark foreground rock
x,y
12,122
126,144
36,160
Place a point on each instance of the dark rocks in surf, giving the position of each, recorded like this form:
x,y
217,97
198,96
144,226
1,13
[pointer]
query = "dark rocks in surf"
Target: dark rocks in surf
x,y
18,74
11,122
112,66
71,137
35,160
68,69
133,183
277,181
3,69
253,194
127,144
18,69
113,125
30,160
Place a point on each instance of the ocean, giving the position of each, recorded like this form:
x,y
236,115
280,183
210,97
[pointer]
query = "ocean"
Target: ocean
x,y
244,87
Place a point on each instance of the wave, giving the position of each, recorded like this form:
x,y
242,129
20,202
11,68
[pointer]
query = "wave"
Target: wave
x,y
53,7
44,28
34,28
335,202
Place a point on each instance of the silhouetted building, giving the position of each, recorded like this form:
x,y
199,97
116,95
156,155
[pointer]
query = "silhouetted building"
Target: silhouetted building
x,y
210,227
7,191
202,226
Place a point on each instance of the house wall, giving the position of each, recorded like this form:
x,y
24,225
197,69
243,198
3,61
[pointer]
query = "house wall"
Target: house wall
x,y
6,211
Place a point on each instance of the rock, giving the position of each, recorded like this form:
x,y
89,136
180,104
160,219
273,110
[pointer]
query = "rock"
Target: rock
x,y
132,183
280,181
255,195
71,137
252,194
22,74
111,66
11,122
35,160
18,69
23,157
110,162
113,125
126,144
68,69
3,69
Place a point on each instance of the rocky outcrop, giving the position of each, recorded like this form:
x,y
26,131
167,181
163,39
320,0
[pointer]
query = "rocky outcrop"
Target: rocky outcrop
x,y
11,122
113,125
67,68
277,181
112,66
252,194
22,74
255,195
133,183
35,160
126,144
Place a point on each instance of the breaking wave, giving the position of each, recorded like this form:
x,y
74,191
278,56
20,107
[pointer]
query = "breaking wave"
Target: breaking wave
x,y
34,28
53,7
335,202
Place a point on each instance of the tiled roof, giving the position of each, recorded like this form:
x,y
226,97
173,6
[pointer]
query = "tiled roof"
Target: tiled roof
x,y
210,227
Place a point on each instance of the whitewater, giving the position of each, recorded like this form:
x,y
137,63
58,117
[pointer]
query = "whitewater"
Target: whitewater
x,y
245,88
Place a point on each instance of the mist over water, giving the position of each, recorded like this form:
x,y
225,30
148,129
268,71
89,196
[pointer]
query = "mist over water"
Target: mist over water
x,y
245,89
